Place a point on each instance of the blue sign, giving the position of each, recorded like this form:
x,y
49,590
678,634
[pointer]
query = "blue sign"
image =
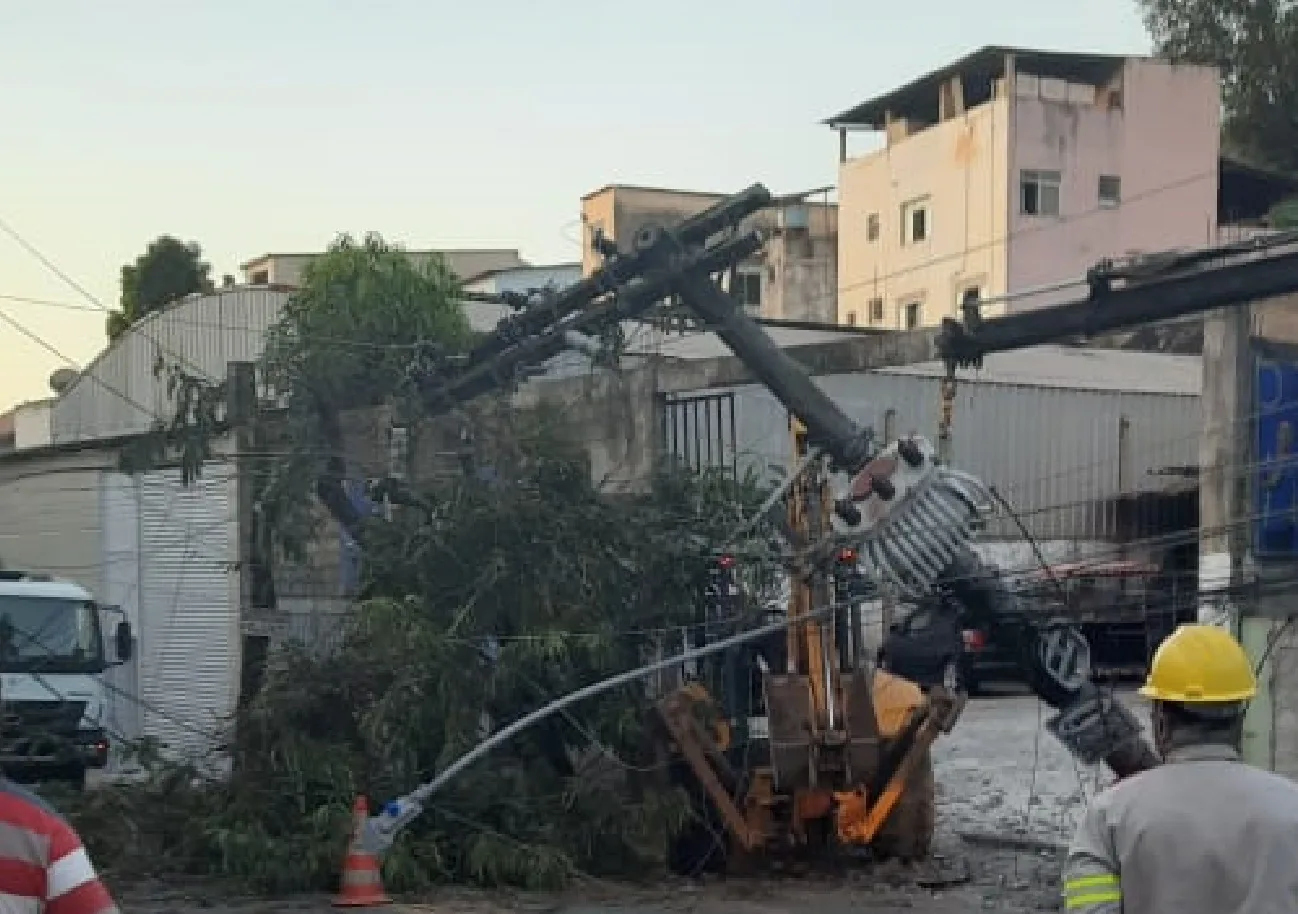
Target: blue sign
x,y
1275,480
349,551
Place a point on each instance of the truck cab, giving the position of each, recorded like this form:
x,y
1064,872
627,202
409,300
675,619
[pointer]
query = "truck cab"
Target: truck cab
x,y
53,708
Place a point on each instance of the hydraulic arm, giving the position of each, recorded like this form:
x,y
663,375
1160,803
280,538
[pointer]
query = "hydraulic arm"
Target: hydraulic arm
x,y
914,519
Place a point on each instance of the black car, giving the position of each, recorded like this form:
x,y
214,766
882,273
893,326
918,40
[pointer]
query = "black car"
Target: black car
x,y
930,646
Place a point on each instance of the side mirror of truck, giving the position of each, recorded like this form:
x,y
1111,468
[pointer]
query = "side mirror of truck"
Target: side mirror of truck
x,y
124,641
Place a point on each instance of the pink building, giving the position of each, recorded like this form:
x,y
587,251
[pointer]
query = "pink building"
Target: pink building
x,y
1013,169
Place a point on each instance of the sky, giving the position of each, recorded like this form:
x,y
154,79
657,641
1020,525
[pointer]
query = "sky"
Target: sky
x,y
252,127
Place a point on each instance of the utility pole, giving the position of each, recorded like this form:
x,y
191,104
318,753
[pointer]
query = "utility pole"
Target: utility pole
x,y
255,590
1227,569
1224,452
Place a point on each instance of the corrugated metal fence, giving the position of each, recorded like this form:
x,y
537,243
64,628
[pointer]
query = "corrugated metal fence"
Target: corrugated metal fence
x,y
1058,455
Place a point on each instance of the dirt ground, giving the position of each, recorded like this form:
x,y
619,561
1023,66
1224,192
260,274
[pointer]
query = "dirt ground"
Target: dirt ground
x,y
1000,776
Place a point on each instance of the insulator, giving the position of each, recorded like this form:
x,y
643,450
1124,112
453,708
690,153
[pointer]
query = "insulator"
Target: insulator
x,y
925,532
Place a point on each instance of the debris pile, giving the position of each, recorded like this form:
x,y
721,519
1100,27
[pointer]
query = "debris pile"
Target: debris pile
x,y
479,607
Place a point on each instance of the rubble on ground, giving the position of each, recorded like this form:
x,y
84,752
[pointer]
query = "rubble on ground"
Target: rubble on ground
x,y
1001,779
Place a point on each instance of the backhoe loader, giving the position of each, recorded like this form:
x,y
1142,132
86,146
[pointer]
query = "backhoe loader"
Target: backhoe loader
x,y
834,753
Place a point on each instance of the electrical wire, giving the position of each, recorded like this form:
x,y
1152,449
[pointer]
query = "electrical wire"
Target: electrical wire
x,y
1039,555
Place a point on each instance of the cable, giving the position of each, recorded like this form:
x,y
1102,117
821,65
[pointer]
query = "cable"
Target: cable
x,y
380,830
47,263
49,347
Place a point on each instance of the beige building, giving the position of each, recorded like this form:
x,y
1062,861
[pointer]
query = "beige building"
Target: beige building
x,y
793,278
1012,169
468,264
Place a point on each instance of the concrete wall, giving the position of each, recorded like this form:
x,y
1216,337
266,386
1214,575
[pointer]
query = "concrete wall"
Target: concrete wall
x,y
960,165
614,416
1162,142
802,278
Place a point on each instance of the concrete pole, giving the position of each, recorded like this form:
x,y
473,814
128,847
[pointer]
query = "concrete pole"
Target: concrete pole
x,y
1225,452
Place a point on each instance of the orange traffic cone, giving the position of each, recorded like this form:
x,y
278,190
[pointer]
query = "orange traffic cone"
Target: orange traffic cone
x,y
361,885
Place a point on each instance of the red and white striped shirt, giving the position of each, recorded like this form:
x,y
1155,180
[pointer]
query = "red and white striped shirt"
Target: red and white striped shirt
x,y
43,867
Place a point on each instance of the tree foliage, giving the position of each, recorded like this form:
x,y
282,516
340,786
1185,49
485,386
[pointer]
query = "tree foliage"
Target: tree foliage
x,y
496,600
1254,43
348,334
1285,215
168,270
349,338
362,319
482,599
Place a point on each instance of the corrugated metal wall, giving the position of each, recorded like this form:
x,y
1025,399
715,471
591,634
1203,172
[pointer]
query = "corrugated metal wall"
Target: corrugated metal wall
x,y
119,394
189,619
120,586
1052,452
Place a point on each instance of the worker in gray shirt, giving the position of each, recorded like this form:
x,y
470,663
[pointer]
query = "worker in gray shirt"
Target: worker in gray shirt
x,y
1202,833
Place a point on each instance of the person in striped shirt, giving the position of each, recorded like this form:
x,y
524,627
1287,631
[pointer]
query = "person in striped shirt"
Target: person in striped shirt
x,y
44,869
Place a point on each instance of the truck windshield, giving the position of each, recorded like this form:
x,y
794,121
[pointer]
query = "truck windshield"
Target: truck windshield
x,y
49,635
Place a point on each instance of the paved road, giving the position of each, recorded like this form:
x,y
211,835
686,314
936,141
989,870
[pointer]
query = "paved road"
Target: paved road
x,y
999,772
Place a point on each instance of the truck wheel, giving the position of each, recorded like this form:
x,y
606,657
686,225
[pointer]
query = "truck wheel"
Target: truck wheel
x,y
908,832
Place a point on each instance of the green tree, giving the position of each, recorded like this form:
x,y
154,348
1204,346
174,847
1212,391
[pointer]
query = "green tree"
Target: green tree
x,y
361,318
168,270
1255,45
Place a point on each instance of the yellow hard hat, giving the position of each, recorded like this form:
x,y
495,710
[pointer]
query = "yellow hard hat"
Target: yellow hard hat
x,y
1200,664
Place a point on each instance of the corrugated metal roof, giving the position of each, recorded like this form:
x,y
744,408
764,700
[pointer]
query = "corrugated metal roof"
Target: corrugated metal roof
x,y
1082,369
646,339
1038,366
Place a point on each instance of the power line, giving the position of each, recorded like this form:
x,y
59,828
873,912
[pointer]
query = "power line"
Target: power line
x,y
48,264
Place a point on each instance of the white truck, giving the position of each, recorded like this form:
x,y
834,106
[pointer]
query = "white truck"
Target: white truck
x,y
53,707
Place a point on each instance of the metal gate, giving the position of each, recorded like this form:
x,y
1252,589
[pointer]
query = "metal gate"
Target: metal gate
x,y
699,431
188,612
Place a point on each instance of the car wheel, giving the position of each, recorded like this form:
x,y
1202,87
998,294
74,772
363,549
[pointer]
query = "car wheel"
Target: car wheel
x,y
952,681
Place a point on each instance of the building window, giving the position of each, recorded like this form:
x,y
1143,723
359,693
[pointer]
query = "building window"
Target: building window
x,y
910,315
876,310
914,221
260,278
596,233
1039,193
969,298
1110,191
748,290
872,227
851,318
